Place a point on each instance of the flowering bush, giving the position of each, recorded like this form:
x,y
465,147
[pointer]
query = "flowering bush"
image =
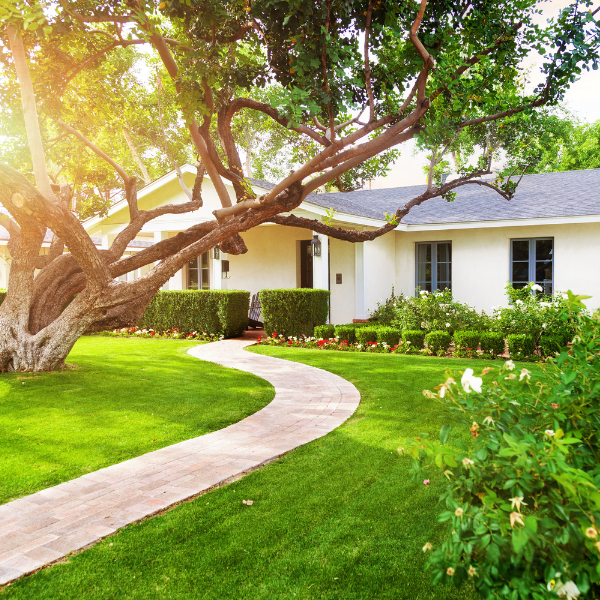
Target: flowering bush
x,y
522,502
436,311
537,315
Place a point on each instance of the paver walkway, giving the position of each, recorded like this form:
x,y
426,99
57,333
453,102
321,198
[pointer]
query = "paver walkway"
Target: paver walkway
x,y
46,526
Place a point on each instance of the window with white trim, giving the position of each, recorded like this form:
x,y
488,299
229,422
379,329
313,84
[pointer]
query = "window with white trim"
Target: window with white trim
x,y
199,273
434,266
532,259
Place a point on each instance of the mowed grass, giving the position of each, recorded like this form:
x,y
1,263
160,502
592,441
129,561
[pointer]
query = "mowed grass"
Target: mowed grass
x,y
123,398
339,518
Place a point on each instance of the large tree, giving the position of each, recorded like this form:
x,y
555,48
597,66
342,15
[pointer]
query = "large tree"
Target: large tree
x,y
401,69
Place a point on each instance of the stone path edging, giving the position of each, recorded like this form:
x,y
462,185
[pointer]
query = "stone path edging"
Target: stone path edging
x,y
46,526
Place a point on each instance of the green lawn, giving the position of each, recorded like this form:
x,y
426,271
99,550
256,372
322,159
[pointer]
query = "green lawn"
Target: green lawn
x,y
123,398
339,518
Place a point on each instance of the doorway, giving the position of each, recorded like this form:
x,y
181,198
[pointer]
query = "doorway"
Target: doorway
x,y
306,264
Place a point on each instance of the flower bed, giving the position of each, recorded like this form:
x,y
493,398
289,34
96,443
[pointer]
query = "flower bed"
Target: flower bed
x,y
170,334
402,347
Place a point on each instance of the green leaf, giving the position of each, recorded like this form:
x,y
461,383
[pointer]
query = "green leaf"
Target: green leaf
x,y
531,521
519,539
445,432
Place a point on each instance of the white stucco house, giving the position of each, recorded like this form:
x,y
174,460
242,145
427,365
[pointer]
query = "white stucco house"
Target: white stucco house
x,y
549,233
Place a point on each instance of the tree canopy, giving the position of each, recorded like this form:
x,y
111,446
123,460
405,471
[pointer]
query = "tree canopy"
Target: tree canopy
x,y
354,79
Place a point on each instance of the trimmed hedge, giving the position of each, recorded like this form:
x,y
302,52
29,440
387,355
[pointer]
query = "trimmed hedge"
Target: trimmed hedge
x,y
549,344
438,341
216,312
388,335
416,338
324,331
294,312
364,335
346,332
492,342
463,340
520,344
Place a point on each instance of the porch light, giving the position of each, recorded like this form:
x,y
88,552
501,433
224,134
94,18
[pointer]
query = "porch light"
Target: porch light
x,y
215,253
315,245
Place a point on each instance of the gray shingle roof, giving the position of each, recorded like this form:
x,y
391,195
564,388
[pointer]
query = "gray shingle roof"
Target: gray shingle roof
x,y
563,194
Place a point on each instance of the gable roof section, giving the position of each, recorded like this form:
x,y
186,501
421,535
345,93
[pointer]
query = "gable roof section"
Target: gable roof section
x,y
562,194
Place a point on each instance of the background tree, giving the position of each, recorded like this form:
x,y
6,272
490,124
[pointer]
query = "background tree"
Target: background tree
x,y
415,70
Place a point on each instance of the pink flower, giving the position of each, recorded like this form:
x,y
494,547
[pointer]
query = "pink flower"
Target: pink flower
x,y
426,482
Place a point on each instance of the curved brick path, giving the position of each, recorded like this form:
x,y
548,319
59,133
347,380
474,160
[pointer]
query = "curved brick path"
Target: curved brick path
x,y
46,526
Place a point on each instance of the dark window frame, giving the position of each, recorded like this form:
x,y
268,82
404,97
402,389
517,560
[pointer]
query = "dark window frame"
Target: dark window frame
x,y
434,280
532,260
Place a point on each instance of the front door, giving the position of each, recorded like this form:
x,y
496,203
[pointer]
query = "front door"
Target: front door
x,y
306,264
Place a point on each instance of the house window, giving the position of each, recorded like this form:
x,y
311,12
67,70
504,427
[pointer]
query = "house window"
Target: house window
x,y
199,273
434,266
533,260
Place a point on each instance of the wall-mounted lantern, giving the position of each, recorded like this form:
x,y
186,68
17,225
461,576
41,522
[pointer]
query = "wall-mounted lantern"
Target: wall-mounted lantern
x,y
216,253
225,269
315,245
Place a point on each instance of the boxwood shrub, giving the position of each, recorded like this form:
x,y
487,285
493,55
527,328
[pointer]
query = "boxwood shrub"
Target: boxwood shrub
x,y
216,312
295,311
388,335
438,342
346,332
492,342
364,335
415,337
463,340
550,344
520,345
324,331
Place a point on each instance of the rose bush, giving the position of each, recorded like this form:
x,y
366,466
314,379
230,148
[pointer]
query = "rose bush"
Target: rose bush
x,y
436,311
536,314
522,501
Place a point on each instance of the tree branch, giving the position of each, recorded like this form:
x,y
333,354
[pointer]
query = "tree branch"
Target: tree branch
x,y
32,126
118,168
171,66
26,204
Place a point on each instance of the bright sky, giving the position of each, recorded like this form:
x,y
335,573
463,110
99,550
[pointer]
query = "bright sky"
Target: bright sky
x,y
581,100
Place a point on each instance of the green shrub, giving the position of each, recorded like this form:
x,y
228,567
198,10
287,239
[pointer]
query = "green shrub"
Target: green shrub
x,y
438,342
535,315
294,312
520,345
415,337
465,340
346,332
520,502
388,335
492,342
324,332
364,335
550,344
436,311
216,312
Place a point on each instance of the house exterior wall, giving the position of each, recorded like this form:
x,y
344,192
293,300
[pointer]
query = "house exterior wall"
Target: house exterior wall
x,y
380,261
270,262
343,305
481,260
